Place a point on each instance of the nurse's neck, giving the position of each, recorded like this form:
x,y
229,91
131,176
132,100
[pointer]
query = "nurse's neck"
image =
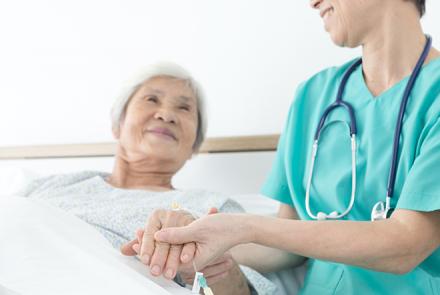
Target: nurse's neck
x,y
391,50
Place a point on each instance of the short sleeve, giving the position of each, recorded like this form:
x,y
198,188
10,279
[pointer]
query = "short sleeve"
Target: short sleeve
x,y
421,190
276,186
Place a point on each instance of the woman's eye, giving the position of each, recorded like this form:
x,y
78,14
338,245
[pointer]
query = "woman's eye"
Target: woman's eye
x,y
151,98
185,108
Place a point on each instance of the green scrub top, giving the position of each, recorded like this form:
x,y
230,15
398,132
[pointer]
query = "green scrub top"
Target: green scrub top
x,y
417,181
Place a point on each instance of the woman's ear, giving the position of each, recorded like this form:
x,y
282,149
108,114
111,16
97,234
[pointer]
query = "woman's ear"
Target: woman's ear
x,y
116,132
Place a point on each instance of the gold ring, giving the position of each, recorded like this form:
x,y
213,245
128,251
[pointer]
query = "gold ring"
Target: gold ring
x,y
175,206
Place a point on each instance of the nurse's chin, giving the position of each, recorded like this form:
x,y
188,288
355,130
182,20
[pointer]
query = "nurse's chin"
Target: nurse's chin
x,y
341,40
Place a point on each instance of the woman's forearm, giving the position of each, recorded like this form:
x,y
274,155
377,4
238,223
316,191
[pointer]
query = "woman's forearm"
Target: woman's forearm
x,y
391,245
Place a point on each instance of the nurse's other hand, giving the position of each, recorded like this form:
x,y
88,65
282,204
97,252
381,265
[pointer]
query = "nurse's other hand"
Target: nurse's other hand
x,y
218,270
213,235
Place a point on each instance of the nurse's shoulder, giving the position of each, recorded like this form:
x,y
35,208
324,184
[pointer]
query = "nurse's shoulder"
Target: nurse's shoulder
x,y
321,88
331,75
426,94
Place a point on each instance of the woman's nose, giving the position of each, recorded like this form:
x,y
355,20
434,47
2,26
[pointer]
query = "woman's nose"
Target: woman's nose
x,y
315,3
165,115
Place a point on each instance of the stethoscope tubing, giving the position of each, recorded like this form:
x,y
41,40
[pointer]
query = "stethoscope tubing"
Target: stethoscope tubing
x,y
399,123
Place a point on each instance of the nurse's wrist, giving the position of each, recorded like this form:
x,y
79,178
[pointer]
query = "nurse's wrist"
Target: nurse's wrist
x,y
256,229
249,228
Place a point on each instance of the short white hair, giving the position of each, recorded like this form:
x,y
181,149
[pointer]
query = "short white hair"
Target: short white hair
x,y
161,69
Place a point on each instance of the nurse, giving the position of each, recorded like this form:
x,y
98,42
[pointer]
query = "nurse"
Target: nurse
x,y
351,254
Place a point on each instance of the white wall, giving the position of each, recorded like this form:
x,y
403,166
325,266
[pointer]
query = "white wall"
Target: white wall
x,y
61,62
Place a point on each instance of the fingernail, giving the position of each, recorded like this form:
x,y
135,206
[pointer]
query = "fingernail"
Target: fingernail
x,y
169,274
136,248
185,258
155,270
145,259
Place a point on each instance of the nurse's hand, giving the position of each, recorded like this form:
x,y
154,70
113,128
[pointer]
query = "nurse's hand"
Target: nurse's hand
x,y
213,236
218,270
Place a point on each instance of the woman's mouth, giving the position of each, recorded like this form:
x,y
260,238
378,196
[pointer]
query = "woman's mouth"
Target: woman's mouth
x,y
163,132
324,13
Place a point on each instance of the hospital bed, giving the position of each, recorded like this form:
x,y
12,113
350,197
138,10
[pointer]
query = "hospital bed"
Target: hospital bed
x,y
234,165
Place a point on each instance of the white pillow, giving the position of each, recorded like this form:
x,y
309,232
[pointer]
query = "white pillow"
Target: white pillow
x,y
13,180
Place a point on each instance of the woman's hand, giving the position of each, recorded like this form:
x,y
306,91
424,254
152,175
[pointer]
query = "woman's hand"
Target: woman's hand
x,y
213,236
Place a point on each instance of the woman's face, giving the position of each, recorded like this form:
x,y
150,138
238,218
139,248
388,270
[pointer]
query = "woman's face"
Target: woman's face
x,y
160,122
349,22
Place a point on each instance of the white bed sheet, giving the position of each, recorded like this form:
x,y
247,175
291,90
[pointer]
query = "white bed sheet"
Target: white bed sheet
x,y
44,250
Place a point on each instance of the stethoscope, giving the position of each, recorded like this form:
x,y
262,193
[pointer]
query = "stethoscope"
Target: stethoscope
x,y
382,209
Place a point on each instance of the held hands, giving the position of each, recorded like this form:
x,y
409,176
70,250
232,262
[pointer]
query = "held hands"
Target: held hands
x,y
213,235
168,258
161,257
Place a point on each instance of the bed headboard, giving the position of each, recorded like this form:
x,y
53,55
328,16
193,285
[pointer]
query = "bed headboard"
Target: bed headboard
x,y
211,145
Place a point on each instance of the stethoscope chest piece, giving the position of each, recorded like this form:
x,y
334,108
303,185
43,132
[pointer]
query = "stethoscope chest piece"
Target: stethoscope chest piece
x,y
381,210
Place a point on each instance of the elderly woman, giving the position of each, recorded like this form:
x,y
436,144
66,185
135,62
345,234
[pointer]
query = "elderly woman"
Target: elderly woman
x,y
159,124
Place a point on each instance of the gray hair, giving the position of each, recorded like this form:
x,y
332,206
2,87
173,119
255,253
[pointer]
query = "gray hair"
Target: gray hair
x,y
162,69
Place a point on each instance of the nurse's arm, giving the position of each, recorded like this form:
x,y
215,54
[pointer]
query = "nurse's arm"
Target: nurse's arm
x,y
396,245
256,256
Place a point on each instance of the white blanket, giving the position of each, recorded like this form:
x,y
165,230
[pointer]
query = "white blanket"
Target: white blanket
x,y
44,250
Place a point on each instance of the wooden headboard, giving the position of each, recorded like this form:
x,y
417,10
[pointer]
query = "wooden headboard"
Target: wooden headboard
x,y
211,145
